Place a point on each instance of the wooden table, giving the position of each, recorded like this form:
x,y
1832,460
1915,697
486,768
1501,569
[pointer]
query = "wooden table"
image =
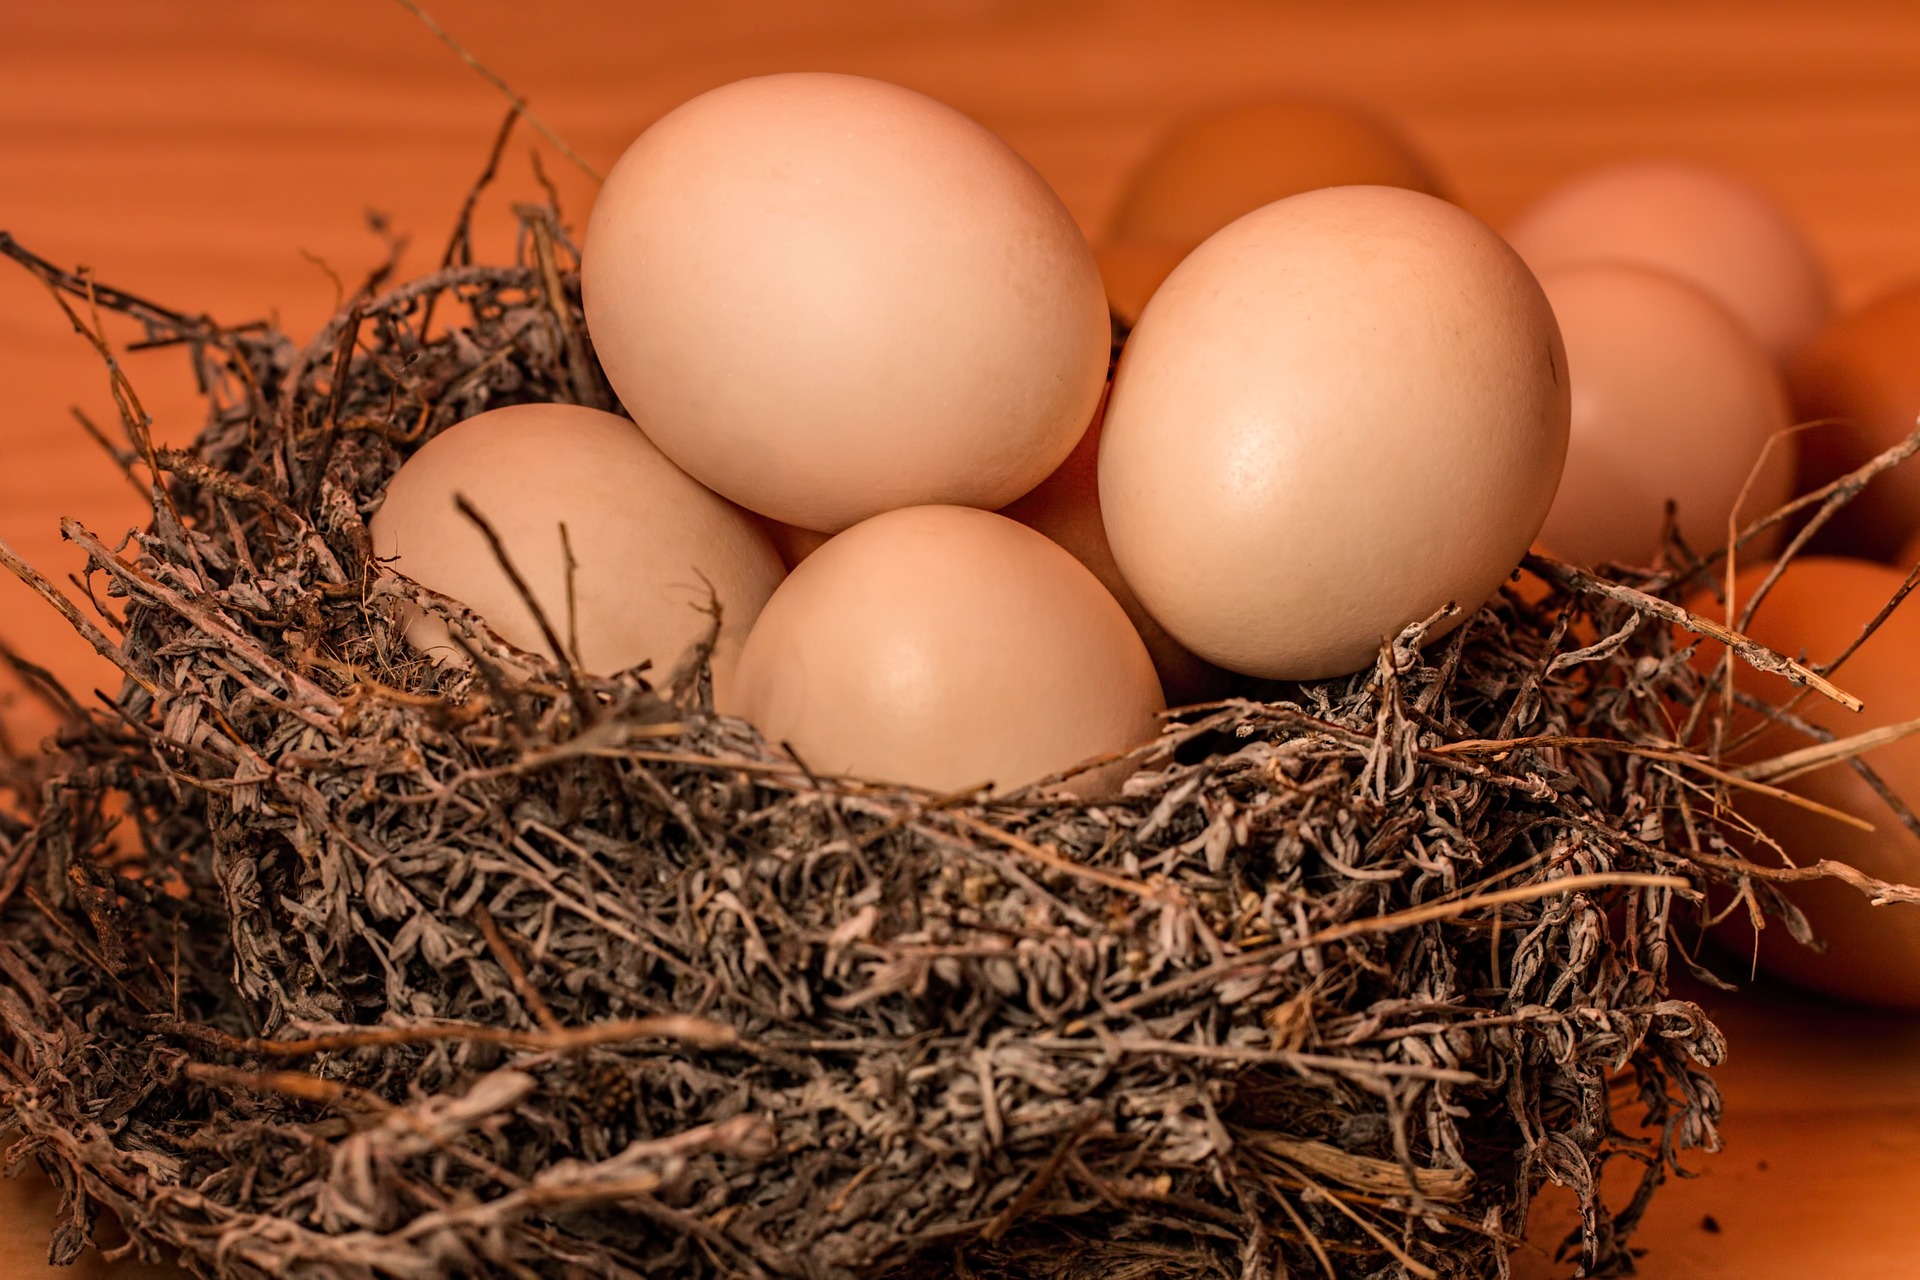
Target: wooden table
x,y
219,155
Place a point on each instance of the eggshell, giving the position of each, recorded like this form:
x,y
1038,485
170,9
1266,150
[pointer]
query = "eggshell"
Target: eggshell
x,y
1227,163
1131,270
1338,415
946,647
826,297
1672,400
1709,228
1817,609
1066,508
646,538
1863,369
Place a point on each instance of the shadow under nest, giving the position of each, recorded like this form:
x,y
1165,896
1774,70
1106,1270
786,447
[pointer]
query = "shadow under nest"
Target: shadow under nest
x,y
320,960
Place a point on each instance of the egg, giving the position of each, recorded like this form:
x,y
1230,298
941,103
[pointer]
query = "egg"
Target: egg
x,y
1672,400
647,540
947,647
1712,230
1817,609
1131,270
1864,370
1227,163
1340,414
825,297
1066,508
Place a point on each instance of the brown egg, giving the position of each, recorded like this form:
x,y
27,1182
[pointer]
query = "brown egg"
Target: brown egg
x,y
1132,270
648,540
1817,609
1672,400
1709,228
946,647
826,297
1066,507
1340,414
1863,369
1220,166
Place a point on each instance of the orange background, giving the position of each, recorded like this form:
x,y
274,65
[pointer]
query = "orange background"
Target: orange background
x,y
206,153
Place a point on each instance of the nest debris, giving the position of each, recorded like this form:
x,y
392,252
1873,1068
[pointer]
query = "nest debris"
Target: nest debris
x,y
324,961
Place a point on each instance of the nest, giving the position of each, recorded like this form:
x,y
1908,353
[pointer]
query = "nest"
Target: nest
x,y
323,961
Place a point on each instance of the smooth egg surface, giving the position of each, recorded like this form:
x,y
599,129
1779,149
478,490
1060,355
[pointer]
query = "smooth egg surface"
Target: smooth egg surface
x,y
947,647
1817,610
1864,372
1673,400
648,541
1340,414
1224,164
1066,508
1709,228
825,297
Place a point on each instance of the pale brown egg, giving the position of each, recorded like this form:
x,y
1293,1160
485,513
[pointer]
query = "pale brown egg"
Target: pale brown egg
x,y
947,647
652,548
1709,228
1066,508
1673,400
1215,168
1131,270
826,297
1817,609
1864,370
1340,414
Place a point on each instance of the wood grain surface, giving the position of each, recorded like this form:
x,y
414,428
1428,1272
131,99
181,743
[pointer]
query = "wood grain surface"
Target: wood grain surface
x,y
222,156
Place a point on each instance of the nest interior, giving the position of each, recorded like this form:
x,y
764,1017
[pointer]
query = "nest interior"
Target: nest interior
x,y
321,960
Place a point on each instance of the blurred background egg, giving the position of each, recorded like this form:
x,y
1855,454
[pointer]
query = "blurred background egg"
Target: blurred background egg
x,y
1672,400
1864,370
1302,456
1709,228
1066,508
1817,609
825,297
947,647
647,540
1219,166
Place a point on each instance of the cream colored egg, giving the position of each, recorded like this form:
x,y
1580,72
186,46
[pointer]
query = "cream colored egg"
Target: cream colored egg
x,y
1709,228
946,647
1066,508
826,297
1340,414
1673,401
647,540
1226,163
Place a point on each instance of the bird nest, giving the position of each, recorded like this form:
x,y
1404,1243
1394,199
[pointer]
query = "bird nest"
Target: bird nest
x,y
322,960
